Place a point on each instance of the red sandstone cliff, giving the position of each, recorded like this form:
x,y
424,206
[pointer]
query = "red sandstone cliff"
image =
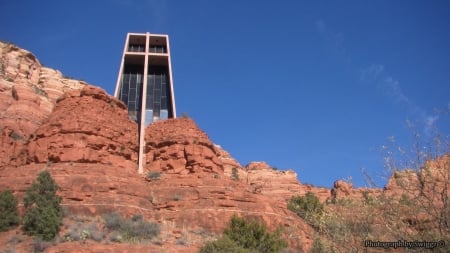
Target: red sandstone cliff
x,y
85,139
28,92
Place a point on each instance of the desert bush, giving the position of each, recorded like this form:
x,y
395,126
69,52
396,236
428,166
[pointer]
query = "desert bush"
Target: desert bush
x,y
368,199
112,221
308,207
176,197
9,217
234,174
43,213
115,236
139,230
154,175
321,246
182,241
137,217
318,247
97,236
242,235
17,137
134,229
73,234
82,231
39,246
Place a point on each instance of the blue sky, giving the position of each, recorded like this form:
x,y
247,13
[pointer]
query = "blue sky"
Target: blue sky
x,y
315,86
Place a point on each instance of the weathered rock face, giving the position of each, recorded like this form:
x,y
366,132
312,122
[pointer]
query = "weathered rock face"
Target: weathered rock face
x,y
196,187
28,93
432,180
178,146
341,189
86,126
279,185
200,197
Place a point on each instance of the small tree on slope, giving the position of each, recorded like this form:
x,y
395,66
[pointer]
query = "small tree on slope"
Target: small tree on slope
x,y
43,213
8,209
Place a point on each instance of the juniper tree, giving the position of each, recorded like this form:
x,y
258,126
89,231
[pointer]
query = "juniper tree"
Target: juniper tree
x,y
43,213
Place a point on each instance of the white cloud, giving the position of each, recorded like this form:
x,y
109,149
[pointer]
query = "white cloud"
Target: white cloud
x,y
372,72
377,74
430,124
391,88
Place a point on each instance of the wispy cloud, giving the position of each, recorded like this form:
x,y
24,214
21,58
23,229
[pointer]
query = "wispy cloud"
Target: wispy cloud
x,y
372,72
391,88
378,75
336,38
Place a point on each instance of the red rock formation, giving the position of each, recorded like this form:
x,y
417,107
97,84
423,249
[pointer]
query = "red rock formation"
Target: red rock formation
x,y
341,189
431,180
85,139
279,185
196,186
28,93
86,126
178,146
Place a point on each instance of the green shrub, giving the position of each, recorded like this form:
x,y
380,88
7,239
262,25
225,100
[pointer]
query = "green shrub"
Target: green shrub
x,y
242,235
43,213
308,207
9,217
224,244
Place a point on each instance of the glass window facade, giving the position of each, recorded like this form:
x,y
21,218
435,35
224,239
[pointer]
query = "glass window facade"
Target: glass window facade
x,y
158,94
131,91
157,49
136,48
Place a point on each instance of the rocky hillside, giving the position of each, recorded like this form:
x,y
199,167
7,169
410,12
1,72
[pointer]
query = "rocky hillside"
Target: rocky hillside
x,y
191,186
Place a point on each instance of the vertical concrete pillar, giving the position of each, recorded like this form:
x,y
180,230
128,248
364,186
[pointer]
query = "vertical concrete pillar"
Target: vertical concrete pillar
x,y
133,60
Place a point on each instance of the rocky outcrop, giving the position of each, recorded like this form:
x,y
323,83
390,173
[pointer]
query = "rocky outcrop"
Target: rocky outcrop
x,y
28,93
86,126
195,184
178,146
279,185
431,180
198,197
